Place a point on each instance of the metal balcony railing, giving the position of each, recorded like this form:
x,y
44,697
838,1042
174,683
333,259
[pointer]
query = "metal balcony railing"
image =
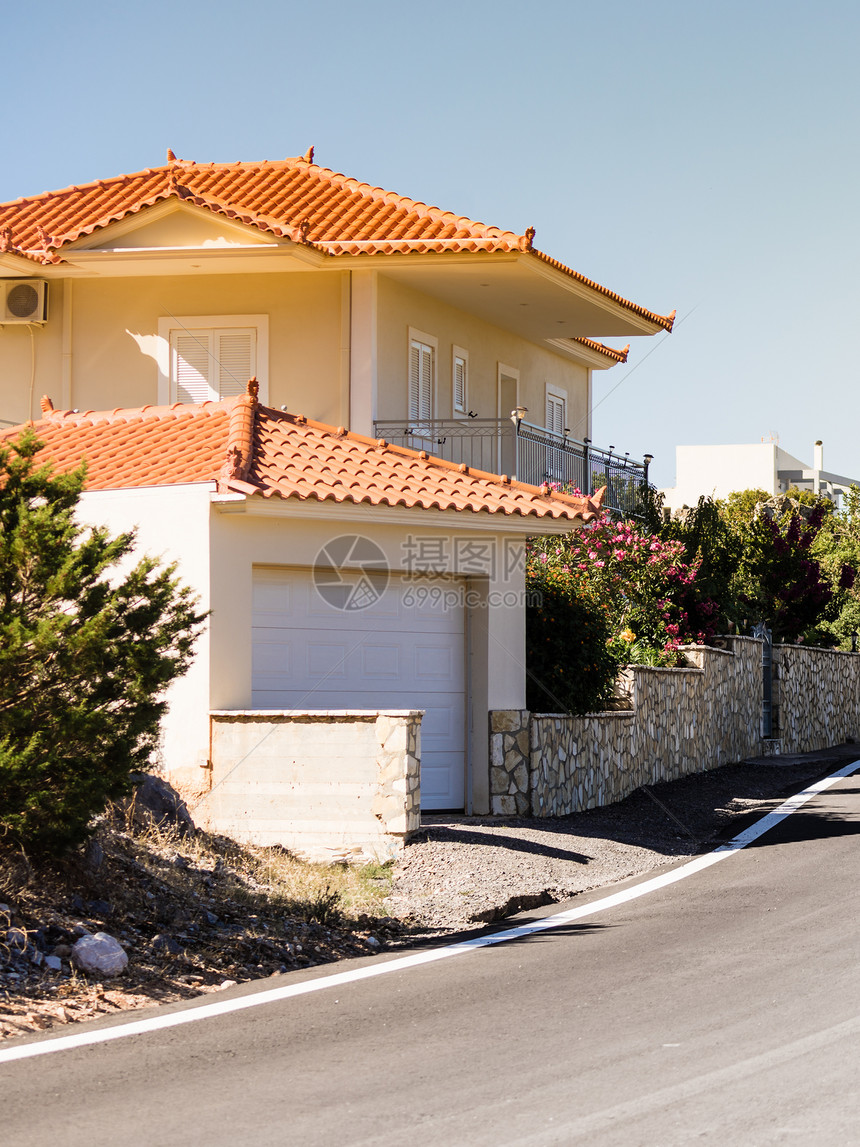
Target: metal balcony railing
x,y
526,452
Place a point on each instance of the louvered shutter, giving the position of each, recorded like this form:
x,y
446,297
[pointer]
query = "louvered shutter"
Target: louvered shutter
x,y
414,380
235,353
420,383
459,384
191,365
555,413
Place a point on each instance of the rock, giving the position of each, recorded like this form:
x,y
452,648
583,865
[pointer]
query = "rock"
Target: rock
x,y
54,963
100,908
164,943
100,954
372,942
94,855
155,802
226,984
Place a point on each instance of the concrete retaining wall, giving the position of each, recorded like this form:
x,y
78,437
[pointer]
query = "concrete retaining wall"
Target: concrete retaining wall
x,y
326,785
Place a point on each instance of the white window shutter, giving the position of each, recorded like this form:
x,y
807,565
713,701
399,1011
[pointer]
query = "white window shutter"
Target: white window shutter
x,y
556,413
235,351
460,384
191,365
421,371
426,390
414,380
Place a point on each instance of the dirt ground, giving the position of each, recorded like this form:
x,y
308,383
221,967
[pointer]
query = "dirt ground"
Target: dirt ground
x,y
197,919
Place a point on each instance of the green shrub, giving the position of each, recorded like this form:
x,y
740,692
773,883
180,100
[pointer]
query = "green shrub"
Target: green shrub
x,y
86,654
569,666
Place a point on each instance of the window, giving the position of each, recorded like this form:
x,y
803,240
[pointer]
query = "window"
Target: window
x,y
460,381
208,358
212,364
556,422
556,410
422,380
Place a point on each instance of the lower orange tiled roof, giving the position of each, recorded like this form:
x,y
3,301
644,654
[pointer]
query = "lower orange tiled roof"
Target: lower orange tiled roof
x,y
252,449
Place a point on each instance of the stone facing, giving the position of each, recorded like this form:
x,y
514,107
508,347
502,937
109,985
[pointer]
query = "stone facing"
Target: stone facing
x,y
816,697
679,721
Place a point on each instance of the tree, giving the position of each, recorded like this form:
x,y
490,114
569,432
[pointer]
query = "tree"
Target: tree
x,y
86,654
778,580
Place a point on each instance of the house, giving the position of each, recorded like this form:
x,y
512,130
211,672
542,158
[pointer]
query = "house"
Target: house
x,y
353,305
355,518
717,471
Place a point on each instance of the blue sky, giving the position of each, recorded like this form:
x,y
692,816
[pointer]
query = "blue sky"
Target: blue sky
x,y
694,156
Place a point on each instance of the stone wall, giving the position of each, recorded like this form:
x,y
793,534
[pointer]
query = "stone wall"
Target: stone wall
x,y
817,697
328,785
680,721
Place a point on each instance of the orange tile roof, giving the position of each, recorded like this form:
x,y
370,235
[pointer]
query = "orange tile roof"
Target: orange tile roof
x,y
292,198
255,450
602,348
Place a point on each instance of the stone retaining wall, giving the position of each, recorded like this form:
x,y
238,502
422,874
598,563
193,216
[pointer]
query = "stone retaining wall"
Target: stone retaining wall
x,y
680,721
817,697
328,785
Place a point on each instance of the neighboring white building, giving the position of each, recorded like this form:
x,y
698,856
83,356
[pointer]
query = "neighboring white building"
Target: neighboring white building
x,y
717,471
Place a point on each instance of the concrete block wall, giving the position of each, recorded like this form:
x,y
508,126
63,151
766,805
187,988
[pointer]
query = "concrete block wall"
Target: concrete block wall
x,y
328,785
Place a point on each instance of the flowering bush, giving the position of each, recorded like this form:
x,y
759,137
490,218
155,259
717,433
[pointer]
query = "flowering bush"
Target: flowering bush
x,y
641,583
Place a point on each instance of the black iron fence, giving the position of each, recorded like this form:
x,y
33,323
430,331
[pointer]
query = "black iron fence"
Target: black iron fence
x,y
528,453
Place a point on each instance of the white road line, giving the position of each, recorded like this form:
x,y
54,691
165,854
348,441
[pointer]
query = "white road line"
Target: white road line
x,y
339,979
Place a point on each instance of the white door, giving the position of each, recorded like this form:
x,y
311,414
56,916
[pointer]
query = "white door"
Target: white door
x,y
404,650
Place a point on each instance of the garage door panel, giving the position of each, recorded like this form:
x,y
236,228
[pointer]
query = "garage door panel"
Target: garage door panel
x,y
326,660
434,663
393,655
381,662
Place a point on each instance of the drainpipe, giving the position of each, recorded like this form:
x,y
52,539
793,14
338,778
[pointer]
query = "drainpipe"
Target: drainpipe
x,y
66,373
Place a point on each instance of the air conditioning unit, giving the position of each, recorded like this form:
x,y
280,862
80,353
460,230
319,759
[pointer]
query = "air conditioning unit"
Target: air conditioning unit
x,y
23,301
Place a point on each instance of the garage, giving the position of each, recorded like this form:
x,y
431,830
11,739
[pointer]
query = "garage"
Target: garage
x,y
380,643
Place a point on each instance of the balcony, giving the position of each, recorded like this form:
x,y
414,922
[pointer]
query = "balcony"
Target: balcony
x,y
528,453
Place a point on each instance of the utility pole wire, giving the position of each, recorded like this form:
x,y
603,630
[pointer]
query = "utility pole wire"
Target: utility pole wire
x,y
624,377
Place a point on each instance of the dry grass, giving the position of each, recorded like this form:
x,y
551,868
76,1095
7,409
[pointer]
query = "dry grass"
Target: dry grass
x,y
193,911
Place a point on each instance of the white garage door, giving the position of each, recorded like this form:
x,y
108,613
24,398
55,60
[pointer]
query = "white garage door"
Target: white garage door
x,y
404,651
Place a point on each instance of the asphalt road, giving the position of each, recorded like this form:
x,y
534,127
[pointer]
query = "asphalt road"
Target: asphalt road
x,y
722,1009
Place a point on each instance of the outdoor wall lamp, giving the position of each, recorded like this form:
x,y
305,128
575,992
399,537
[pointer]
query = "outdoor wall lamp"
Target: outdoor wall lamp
x,y
518,414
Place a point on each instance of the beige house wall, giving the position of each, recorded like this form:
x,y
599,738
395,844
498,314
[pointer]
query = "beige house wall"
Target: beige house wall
x,y
400,308
172,524
98,349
